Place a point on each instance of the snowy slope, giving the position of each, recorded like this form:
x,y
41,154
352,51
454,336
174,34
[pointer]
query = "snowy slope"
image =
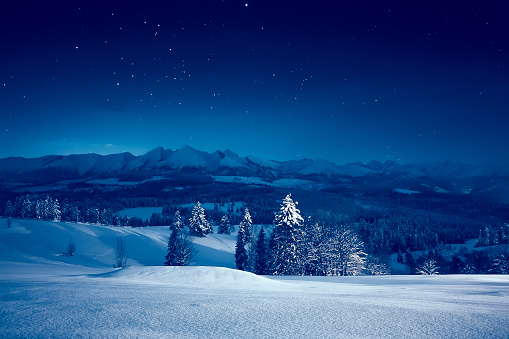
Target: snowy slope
x,y
43,294
208,302
44,242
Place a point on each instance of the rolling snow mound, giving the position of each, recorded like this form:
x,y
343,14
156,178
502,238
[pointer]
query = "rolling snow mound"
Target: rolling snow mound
x,y
202,276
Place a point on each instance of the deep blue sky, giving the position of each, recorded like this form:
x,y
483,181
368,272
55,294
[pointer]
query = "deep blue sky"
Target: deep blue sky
x,y
412,81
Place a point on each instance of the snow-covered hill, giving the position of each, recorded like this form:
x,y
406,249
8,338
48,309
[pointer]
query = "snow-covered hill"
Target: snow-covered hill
x,y
445,177
44,242
44,294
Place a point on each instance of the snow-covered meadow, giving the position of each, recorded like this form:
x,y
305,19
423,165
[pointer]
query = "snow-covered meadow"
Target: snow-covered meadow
x,y
45,294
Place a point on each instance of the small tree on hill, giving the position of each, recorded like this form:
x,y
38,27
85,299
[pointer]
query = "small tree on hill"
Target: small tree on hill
x,y
71,248
9,209
121,254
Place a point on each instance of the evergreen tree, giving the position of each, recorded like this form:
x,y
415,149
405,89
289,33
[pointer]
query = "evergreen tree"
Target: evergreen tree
x,y
501,264
246,226
240,251
287,224
55,210
26,207
198,224
224,227
260,266
75,214
180,250
39,209
456,264
177,224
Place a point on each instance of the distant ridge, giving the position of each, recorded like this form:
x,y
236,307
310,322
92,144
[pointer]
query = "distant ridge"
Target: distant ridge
x,y
444,177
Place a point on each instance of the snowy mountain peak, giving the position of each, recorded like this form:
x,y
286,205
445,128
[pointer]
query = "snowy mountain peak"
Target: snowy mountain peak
x,y
454,177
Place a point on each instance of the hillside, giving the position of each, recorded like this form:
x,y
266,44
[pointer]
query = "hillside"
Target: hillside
x,y
29,241
45,294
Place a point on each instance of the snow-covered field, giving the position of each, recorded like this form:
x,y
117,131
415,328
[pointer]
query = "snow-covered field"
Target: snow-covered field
x,y
43,294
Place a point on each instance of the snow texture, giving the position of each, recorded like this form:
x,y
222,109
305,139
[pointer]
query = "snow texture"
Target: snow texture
x,y
44,295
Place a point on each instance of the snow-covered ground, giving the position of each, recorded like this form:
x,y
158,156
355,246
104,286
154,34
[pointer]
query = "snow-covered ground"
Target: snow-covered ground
x,y
43,294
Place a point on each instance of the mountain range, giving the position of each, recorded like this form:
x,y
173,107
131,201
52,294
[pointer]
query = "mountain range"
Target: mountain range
x,y
487,180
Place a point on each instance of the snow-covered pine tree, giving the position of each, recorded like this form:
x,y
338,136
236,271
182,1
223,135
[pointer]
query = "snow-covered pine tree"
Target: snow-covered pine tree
x,y
26,207
198,224
177,224
224,227
240,251
287,224
246,226
47,208
260,266
501,264
75,215
55,212
180,250
39,209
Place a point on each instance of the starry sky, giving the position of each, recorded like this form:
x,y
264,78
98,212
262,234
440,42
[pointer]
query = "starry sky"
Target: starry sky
x,y
342,80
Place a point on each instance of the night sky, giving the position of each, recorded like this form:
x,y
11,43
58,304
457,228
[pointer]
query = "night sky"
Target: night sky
x,y
410,81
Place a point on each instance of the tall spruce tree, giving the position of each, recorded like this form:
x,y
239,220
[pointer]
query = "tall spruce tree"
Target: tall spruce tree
x,y
177,222
240,251
198,224
287,232
180,250
260,266
246,226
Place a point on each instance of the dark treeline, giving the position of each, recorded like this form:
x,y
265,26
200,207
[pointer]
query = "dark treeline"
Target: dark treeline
x,y
386,222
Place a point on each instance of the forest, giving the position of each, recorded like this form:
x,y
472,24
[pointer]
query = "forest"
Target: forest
x,y
425,230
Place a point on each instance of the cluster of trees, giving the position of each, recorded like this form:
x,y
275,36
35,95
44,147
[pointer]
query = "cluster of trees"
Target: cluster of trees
x,y
299,247
493,235
304,245
44,209
49,208
448,260
384,234
180,251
